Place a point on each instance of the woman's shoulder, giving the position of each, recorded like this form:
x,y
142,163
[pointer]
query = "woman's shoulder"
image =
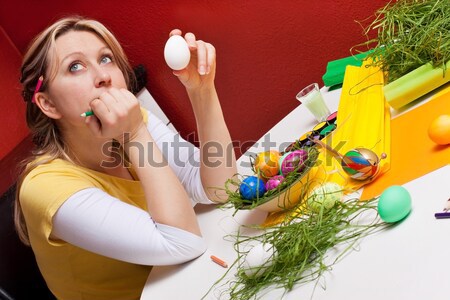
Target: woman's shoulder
x,y
46,166
50,183
54,175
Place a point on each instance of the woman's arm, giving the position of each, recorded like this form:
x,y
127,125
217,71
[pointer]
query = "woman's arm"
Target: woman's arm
x,y
119,116
182,156
95,221
218,161
167,201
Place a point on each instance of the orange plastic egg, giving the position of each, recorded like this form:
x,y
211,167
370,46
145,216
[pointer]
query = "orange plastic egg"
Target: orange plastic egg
x,y
266,163
439,130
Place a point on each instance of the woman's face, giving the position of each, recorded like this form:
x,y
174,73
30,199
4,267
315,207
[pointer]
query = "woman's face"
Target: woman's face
x,y
86,69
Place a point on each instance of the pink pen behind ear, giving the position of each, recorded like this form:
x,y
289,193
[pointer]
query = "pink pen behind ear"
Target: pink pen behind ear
x,y
38,87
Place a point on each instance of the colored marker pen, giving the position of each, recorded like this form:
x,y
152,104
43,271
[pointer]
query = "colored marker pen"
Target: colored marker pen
x,y
219,261
442,215
87,114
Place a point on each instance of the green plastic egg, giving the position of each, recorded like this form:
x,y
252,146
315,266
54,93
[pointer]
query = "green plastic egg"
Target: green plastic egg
x,y
394,204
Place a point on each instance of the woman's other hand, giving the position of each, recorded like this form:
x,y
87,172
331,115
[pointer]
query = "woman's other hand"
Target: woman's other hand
x,y
117,115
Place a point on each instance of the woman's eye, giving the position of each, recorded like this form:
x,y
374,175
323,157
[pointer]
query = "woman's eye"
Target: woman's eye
x,y
75,67
106,59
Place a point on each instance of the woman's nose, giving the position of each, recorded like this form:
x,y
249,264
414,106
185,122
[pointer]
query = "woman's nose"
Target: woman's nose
x,y
102,78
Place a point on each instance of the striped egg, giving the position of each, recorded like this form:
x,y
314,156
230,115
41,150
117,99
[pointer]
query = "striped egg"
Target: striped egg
x,y
360,163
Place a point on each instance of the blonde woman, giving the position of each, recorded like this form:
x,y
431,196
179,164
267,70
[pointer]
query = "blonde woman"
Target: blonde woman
x,y
107,196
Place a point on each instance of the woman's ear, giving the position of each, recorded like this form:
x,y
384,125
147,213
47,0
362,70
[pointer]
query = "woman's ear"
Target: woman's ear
x,y
47,106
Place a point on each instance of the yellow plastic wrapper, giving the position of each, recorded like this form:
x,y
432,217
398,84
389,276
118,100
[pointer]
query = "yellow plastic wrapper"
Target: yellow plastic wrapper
x,y
413,156
363,121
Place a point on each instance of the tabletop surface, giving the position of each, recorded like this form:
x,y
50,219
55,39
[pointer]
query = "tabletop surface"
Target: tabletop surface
x,y
406,261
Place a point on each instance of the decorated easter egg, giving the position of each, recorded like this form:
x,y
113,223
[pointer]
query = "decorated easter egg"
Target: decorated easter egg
x,y
274,181
324,197
258,259
292,161
266,164
394,204
177,53
252,187
360,163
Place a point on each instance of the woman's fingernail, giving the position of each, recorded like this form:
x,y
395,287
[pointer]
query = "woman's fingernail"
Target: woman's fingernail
x,y
208,70
202,70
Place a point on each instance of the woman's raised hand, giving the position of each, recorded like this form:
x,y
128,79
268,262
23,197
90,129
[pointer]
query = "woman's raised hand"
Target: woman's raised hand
x,y
201,70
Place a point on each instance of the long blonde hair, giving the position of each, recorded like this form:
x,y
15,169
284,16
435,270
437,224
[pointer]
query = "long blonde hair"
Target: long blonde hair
x,y
40,59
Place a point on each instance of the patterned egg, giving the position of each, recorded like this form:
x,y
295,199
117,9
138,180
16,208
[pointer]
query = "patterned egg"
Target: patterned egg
x,y
325,196
252,187
293,161
274,181
360,163
266,164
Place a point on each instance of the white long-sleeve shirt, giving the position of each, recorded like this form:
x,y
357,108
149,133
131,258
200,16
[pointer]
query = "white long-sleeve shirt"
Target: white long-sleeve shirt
x,y
121,231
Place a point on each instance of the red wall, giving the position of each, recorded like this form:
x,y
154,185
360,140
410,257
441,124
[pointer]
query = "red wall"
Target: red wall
x,y
267,50
12,108
13,129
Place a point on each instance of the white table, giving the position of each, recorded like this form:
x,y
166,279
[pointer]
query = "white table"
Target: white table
x,y
408,261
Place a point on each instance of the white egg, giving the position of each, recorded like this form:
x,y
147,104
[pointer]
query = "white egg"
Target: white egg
x,y
258,259
176,53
